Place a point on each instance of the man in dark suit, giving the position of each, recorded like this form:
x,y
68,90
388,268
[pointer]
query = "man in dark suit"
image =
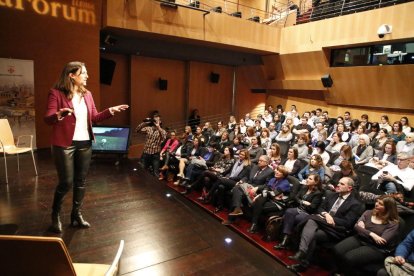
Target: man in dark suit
x,y
259,175
334,220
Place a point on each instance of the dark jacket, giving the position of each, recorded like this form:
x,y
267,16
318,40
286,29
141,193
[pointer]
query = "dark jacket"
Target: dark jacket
x,y
315,198
255,178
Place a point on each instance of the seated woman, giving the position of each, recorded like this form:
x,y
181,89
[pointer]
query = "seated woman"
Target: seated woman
x,y
190,150
218,132
373,132
307,200
344,154
242,126
274,155
200,163
397,133
384,157
292,163
199,135
380,140
265,141
302,147
315,167
336,143
363,152
240,169
268,196
187,134
255,150
346,170
220,168
167,151
385,123
377,236
284,135
231,124
249,135
405,125
318,134
355,136
319,149
341,131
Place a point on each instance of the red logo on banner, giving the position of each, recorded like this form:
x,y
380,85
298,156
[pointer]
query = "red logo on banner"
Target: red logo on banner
x,y
11,69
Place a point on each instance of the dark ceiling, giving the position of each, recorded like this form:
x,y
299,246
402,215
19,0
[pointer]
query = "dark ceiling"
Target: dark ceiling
x,y
133,43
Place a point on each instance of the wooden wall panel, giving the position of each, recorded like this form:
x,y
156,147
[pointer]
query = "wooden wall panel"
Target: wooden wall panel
x,y
148,17
23,36
145,94
211,99
246,101
350,29
374,86
118,92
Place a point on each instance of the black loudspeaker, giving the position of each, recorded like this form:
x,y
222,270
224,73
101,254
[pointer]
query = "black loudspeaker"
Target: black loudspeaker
x,y
258,90
106,70
214,77
162,84
326,81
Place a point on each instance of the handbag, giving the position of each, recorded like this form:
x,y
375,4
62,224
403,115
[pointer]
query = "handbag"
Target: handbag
x,y
199,162
273,228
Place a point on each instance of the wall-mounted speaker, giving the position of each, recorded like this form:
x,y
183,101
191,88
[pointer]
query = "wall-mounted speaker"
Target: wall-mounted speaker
x,y
162,84
327,80
258,90
214,77
106,70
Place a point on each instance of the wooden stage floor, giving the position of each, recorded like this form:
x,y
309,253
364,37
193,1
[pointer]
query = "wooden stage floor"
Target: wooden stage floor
x,y
163,235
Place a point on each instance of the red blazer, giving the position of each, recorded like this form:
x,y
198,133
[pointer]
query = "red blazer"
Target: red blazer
x,y
63,130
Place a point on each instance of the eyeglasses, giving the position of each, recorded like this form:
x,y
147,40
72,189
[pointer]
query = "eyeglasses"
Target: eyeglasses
x,y
402,159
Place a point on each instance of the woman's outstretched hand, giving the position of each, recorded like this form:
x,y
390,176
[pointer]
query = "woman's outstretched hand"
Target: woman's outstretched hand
x,y
118,108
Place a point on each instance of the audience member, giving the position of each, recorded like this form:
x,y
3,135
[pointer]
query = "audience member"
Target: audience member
x,y
307,201
336,217
376,236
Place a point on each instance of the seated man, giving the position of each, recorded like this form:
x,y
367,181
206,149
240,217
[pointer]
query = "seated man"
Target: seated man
x,y
334,221
259,175
406,146
403,262
389,177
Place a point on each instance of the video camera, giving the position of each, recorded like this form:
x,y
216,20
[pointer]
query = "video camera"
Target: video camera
x,y
149,121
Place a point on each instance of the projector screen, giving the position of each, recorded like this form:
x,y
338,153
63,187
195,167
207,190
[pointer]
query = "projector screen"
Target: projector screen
x,y
110,139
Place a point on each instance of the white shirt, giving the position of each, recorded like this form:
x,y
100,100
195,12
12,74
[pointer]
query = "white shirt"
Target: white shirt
x,y
81,115
406,175
289,164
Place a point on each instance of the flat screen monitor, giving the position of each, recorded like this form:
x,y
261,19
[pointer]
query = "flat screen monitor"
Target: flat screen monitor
x,y
111,139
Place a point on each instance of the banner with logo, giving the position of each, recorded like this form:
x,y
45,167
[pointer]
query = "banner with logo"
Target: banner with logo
x,y
17,101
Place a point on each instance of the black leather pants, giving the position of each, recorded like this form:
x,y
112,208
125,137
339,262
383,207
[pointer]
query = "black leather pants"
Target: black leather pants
x,y
72,165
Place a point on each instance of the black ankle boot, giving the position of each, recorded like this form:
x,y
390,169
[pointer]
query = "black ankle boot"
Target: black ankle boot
x,y
252,229
76,219
56,226
299,256
283,244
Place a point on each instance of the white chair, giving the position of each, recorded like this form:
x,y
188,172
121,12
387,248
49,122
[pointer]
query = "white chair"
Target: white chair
x,y
31,255
7,145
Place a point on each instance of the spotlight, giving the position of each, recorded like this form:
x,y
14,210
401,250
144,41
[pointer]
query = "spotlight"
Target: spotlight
x,y
195,4
236,14
254,19
228,240
135,169
168,195
217,9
